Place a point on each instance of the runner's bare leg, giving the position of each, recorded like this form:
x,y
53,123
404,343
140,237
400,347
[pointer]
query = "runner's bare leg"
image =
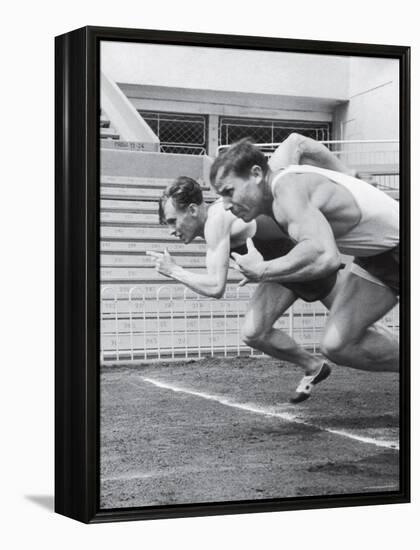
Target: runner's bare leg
x,y
352,337
268,303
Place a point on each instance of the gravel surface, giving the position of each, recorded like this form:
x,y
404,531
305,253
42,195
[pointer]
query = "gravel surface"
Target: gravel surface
x,y
220,430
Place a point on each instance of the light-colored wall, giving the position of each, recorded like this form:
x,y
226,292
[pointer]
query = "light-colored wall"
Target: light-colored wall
x,y
372,110
233,103
352,92
290,74
154,165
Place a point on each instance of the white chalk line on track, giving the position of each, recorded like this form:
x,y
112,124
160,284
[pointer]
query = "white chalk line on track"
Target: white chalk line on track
x,y
250,407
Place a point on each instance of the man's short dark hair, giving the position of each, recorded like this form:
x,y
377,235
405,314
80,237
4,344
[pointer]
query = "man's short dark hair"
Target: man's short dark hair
x,y
239,158
183,191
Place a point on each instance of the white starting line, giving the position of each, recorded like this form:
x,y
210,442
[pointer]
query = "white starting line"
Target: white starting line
x,y
250,407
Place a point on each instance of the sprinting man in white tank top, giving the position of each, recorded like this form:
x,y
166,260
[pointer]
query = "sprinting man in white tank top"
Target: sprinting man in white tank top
x,y
184,211
325,212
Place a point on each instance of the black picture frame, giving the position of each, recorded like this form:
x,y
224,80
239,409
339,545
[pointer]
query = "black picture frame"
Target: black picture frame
x,y
77,272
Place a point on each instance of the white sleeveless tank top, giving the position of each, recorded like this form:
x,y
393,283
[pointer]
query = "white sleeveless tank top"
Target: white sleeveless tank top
x,y
378,228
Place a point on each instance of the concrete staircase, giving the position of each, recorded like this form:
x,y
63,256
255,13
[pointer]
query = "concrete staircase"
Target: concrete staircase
x,y
145,315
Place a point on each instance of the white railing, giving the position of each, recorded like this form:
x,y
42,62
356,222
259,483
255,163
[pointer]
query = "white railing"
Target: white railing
x,y
171,322
356,146
175,323
377,160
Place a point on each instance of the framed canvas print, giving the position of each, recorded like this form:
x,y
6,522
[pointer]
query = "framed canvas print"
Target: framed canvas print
x,y
232,274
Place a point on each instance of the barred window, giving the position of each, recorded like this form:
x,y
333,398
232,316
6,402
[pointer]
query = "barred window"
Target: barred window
x,y
232,129
178,133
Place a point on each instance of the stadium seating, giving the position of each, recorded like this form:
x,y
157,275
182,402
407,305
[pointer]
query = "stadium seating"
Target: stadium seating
x,y
145,315
153,317
106,130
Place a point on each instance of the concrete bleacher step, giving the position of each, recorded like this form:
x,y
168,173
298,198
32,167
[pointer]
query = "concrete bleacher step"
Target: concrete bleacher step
x,y
128,206
110,274
141,193
137,182
108,133
139,233
134,163
174,247
130,181
137,260
129,218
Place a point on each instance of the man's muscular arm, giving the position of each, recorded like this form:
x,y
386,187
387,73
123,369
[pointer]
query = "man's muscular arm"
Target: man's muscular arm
x,y
213,282
315,254
297,149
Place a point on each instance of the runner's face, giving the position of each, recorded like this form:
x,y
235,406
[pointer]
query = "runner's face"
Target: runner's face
x,y
183,224
242,196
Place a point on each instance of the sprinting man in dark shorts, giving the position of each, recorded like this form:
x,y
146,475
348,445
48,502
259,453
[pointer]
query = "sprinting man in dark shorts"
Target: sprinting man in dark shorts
x,y
188,217
324,212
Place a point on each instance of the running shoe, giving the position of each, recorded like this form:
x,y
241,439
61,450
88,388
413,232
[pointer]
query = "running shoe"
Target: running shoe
x,y
303,391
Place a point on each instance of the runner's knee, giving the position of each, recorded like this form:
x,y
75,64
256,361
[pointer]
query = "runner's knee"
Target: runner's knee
x,y
252,335
333,345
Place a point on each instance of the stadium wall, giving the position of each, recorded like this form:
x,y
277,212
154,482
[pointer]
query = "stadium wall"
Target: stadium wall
x,y
154,165
373,88
220,69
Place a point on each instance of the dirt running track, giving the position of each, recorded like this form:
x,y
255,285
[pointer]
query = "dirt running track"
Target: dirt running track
x,y
222,430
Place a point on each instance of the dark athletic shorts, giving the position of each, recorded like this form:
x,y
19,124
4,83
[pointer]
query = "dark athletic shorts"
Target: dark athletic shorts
x,y
309,291
385,267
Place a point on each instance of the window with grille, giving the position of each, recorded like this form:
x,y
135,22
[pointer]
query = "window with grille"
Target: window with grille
x,y
268,131
178,133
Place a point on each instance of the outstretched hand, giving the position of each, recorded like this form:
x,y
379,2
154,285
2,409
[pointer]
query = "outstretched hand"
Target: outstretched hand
x,y
251,265
164,263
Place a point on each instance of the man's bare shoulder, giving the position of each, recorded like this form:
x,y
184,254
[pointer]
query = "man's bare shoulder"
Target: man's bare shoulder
x,y
291,184
219,222
217,214
293,193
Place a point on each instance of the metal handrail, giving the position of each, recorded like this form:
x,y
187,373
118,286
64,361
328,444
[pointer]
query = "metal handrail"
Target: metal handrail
x,y
327,142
